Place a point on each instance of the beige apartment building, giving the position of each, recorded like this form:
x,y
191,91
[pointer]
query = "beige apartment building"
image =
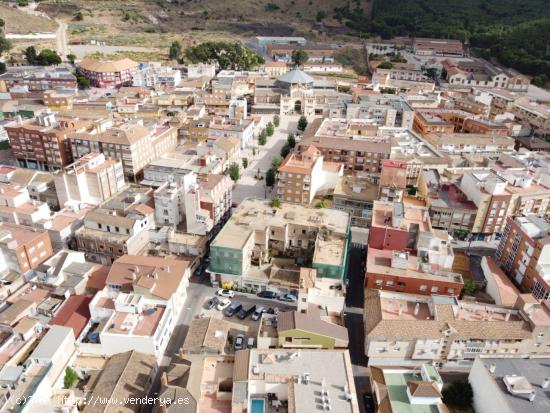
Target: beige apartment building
x,y
118,226
303,176
133,142
354,143
407,329
91,180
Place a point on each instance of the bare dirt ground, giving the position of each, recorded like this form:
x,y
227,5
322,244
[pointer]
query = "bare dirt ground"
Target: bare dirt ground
x,y
19,22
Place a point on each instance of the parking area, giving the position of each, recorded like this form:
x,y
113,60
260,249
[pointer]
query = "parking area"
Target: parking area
x,y
247,326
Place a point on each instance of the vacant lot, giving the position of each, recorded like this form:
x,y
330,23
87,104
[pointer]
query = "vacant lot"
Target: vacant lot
x,y
23,23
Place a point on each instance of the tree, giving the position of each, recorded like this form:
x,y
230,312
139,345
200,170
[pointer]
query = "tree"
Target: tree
x,y
276,162
385,65
79,16
459,394
30,55
270,177
302,123
245,163
469,287
269,129
71,57
262,139
2,68
299,57
291,140
321,14
321,204
285,150
82,81
539,80
70,378
226,55
234,172
175,50
5,44
48,57
276,121
275,202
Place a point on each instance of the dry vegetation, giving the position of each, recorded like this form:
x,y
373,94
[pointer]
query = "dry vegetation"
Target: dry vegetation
x,y
157,23
20,22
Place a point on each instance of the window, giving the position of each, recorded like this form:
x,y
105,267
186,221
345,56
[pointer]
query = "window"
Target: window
x,y
435,289
389,283
423,287
451,290
99,225
379,282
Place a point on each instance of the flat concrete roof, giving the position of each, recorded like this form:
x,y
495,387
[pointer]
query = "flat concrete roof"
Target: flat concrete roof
x,y
534,370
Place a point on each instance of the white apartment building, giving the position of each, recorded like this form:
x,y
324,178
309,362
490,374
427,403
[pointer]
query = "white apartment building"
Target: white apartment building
x,y
16,206
195,71
180,201
407,329
132,142
91,180
154,74
138,308
242,129
383,110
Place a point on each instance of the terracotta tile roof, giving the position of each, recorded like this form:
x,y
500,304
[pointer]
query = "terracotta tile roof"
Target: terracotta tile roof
x,y
419,388
125,375
161,276
74,313
508,293
377,326
103,66
97,278
310,322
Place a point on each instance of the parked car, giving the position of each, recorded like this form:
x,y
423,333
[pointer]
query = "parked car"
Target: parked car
x,y
267,294
233,309
239,342
246,311
213,302
223,304
289,298
250,343
368,401
223,292
258,313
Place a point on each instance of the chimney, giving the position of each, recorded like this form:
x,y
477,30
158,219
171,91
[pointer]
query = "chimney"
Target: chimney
x,y
163,379
400,308
545,383
507,317
492,368
416,309
532,396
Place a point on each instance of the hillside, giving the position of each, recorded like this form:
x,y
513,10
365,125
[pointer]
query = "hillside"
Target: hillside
x,y
18,21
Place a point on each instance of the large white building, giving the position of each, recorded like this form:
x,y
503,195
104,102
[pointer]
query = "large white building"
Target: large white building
x,y
180,202
138,308
156,75
507,385
91,180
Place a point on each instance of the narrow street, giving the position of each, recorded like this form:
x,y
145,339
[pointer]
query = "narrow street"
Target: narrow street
x,y
248,186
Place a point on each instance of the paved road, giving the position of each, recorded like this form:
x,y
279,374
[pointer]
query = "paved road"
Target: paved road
x,y
247,186
198,292
61,39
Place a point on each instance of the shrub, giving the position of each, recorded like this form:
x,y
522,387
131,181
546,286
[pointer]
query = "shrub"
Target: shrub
x,y
70,378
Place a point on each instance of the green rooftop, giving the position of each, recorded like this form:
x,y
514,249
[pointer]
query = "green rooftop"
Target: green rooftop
x,y
396,384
